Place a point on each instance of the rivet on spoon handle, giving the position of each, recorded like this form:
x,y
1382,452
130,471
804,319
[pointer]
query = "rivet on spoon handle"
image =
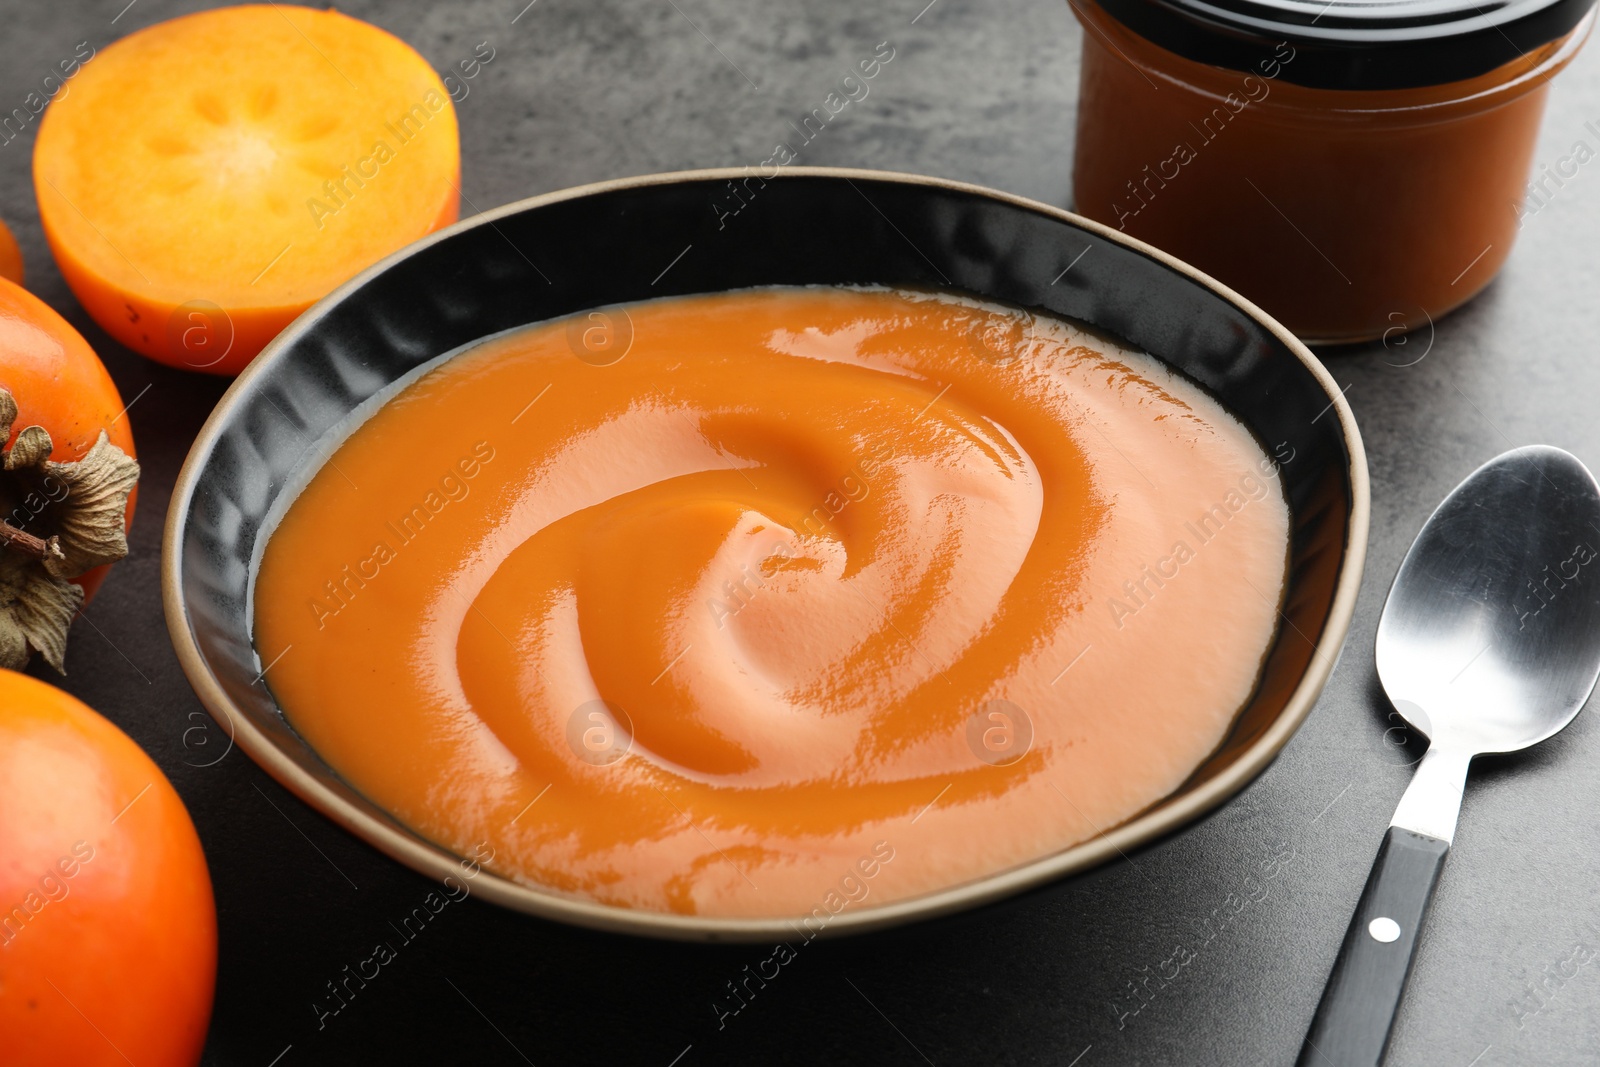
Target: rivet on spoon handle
x,y
1358,1006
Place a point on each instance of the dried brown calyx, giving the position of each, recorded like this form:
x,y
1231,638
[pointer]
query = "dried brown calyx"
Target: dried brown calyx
x,y
57,521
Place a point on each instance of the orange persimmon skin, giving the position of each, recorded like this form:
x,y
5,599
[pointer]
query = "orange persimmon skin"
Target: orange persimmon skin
x,y
108,937
10,255
59,383
210,177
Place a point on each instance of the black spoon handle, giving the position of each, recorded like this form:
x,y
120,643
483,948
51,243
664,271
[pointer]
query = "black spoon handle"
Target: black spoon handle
x,y
1351,1027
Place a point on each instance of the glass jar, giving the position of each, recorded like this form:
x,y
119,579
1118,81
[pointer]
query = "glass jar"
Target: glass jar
x,y
1352,167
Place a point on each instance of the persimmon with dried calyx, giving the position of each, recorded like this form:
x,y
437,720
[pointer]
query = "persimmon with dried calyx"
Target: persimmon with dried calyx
x,y
108,933
78,511
56,377
67,477
210,177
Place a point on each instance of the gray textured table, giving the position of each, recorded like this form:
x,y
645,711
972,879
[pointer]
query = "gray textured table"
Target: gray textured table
x,y
1257,897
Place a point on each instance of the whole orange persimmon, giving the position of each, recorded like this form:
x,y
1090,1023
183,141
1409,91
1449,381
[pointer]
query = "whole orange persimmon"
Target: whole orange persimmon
x,y
108,935
58,382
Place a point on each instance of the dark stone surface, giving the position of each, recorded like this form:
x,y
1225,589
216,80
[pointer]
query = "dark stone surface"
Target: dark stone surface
x,y
986,93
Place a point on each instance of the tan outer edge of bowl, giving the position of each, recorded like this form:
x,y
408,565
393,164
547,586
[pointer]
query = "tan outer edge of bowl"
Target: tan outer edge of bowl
x,y
438,863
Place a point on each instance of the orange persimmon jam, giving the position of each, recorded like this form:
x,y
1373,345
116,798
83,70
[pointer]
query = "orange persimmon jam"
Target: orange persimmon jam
x,y
712,604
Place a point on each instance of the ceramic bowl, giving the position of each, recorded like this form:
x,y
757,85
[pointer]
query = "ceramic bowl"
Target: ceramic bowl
x,y
710,231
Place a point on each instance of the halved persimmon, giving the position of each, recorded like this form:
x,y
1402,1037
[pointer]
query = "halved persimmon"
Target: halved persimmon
x,y
210,177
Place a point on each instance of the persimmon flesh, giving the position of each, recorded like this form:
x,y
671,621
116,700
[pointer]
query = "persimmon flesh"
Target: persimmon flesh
x,y
108,938
210,177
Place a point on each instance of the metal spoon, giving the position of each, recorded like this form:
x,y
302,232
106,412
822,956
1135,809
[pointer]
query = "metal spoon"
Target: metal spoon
x,y
1489,642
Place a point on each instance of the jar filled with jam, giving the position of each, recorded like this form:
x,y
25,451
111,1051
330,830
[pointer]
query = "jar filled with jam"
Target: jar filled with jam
x,y
1354,167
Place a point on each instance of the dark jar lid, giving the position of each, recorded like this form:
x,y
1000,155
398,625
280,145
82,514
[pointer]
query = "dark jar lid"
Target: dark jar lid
x,y
1352,44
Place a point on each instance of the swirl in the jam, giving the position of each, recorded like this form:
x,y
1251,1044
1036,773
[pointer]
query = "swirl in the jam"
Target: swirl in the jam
x,y
807,584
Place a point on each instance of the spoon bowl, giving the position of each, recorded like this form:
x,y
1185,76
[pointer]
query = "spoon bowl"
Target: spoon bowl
x,y
1490,639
